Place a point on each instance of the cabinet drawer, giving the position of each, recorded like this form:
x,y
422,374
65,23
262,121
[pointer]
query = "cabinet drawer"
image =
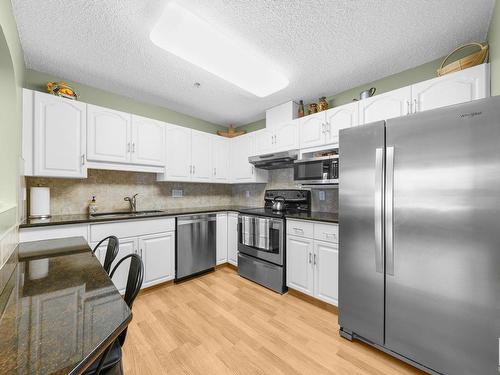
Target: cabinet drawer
x,y
49,233
326,232
300,228
131,228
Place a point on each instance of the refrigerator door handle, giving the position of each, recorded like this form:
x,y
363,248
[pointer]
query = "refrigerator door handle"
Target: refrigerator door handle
x,y
378,209
389,206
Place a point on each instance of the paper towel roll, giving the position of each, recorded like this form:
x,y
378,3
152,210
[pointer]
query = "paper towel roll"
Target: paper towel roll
x,y
39,202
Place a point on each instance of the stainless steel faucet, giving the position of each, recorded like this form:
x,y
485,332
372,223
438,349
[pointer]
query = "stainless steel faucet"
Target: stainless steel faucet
x,y
132,201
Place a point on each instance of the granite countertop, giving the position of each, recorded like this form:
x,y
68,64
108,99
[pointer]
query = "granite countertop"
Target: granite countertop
x,y
85,218
330,217
62,310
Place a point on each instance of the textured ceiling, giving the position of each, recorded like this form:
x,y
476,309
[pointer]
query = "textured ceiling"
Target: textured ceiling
x,y
323,46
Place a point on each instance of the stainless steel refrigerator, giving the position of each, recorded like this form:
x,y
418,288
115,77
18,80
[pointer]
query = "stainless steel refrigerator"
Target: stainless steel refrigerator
x,y
419,221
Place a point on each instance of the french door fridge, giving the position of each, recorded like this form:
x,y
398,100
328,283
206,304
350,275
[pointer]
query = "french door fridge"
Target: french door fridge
x,y
419,222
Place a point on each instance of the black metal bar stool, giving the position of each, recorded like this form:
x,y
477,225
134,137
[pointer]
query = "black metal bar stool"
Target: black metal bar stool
x,y
111,251
110,362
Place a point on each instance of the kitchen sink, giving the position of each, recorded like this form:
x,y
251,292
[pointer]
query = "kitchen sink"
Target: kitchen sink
x,y
124,214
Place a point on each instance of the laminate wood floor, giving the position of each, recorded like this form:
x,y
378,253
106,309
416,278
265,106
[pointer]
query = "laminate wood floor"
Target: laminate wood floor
x,y
220,323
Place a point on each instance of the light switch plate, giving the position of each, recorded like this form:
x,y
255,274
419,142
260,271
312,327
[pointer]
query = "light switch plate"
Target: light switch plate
x,y
177,193
321,195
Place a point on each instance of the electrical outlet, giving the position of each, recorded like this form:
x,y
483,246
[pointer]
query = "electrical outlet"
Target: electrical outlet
x,y
321,195
177,193
247,193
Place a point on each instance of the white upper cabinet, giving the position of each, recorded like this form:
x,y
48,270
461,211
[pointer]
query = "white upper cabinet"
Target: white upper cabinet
x,y
280,138
59,137
220,159
338,118
454,88
241,170
148,141
178,163
241,149
201,162
286,136
264,141
312,130
108,133
391,104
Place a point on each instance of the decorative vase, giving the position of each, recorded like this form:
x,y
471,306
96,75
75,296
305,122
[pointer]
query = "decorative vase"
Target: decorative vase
x,y
323,104
313,108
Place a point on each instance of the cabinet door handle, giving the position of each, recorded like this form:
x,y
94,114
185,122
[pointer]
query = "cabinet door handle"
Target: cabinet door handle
x,y
128,147
252,170
190,169
323,128
215,171
194,169
327,127
133,147
309,258
415,106
315,259
298,230
140,251
83,159
408,110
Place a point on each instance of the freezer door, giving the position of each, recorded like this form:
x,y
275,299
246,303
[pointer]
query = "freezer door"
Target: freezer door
x,y
361,277
443,240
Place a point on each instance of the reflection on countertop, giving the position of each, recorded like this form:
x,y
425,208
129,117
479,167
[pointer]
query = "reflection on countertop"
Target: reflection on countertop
x,y
61,310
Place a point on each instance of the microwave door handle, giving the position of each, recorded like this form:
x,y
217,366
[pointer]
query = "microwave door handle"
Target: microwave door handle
x,y
378,209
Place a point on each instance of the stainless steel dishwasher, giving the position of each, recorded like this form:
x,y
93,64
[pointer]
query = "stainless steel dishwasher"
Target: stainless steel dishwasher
x,y
196,244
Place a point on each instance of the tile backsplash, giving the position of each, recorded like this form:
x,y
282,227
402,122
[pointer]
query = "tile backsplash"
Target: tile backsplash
x,y
71,196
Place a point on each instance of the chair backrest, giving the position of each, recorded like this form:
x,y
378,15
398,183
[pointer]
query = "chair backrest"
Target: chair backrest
x,y
134,283
111,251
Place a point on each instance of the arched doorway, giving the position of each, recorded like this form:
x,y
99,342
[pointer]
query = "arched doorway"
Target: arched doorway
x,y
9,136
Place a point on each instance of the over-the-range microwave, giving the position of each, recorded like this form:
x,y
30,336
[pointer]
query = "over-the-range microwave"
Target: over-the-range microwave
x,y
320,171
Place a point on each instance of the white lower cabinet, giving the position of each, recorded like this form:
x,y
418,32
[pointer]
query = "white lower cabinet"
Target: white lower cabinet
x,y
326,271
312,265
158,254
221,237
232,238
127,246
299,267
153,240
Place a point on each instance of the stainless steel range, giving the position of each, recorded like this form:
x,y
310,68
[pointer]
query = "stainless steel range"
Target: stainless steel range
x,y
261,243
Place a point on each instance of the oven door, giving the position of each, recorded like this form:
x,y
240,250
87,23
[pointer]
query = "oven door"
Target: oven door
x,y
261,237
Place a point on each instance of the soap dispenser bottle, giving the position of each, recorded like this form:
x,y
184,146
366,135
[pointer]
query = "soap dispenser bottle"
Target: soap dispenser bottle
x,y
93,206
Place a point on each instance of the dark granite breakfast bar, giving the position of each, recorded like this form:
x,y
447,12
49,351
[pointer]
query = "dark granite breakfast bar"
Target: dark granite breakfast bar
x,y
59,309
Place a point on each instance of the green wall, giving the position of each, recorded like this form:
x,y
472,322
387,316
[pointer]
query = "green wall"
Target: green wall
x,y
494,41
411,76
11,78
37,81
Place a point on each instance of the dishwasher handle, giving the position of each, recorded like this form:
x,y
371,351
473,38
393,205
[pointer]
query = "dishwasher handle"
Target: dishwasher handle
x,y
195,219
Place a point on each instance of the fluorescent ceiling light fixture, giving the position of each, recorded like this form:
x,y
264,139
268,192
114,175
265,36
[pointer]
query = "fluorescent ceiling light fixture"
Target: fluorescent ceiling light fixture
x,y
193,39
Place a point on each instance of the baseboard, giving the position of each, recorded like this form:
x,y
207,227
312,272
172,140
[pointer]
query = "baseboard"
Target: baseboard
x,y
314,301
226,265
155,287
